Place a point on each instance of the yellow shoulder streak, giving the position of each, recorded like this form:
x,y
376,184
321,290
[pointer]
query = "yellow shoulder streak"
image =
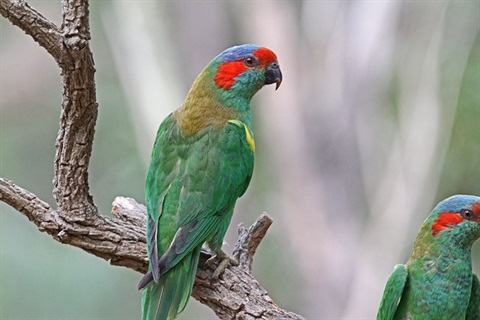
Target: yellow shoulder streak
x,y
250,140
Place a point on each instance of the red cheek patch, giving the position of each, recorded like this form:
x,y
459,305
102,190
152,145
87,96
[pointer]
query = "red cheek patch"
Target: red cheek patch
x,y
227,72
444,220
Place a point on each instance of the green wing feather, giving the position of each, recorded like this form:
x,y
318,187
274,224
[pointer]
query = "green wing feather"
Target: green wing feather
x,y
192,186
473,310
164,167
170,296
393,293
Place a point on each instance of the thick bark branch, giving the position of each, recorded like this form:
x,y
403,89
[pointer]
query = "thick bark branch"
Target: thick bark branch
x,y
43,31
23,201
120,240
69,46
78,115
236,295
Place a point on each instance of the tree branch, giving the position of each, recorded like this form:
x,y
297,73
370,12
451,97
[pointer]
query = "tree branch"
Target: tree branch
x,y
249,239
236,295
23,201
78,116
42,30
120,240
70,49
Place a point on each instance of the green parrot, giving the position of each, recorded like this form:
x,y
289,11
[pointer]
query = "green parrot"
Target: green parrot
x,y
201,163
437,282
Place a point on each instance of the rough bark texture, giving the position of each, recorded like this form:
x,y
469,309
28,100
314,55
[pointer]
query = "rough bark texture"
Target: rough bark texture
x,y
79,113
119,242
76,221
237,295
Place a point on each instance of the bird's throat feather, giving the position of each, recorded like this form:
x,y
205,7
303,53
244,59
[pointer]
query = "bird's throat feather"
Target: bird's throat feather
x,y
201,108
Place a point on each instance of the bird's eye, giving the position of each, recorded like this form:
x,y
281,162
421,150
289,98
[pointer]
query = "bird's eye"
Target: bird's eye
x,y
467,214
250,61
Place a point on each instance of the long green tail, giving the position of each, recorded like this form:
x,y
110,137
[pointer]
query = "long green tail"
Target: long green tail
x,y
165,299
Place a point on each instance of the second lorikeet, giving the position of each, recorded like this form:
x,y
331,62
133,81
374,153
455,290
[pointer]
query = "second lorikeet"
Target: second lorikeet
x,y
201,163
437,282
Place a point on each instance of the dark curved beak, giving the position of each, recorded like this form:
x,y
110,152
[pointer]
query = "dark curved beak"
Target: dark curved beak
x,y
273,74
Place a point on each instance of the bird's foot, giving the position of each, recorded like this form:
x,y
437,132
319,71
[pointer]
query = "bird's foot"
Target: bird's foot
x,y
225,260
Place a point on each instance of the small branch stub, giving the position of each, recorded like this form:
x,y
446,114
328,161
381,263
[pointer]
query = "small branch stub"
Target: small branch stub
x,y
249,239
129,210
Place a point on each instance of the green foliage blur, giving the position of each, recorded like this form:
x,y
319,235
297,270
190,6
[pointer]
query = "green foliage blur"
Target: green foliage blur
x,y
377,120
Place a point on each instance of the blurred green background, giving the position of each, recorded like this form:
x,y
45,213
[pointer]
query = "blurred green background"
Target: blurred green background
x,y
377,119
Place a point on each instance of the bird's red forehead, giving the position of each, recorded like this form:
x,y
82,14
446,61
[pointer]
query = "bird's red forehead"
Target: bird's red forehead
x,y
265,55
476,207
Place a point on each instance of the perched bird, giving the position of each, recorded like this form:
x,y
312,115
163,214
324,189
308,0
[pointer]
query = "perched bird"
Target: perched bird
x,y
201,163
437,282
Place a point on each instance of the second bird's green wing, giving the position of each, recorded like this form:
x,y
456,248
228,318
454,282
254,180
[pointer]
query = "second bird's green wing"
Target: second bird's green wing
x,y
392,293
473,310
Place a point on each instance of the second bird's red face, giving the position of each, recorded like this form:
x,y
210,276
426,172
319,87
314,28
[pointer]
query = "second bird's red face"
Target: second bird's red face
x,y
446,220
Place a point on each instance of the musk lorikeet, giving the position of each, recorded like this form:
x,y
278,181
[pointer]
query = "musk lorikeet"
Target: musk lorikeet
x,y
201,163
437,282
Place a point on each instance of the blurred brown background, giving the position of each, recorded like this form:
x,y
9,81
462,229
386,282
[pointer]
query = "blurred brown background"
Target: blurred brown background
x,y
377,119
